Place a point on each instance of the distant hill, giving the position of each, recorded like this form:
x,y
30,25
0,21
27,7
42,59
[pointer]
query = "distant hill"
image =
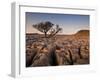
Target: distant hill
x,y
82,33
77,34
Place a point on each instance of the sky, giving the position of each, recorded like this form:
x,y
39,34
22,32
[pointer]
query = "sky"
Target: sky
x,y
70,23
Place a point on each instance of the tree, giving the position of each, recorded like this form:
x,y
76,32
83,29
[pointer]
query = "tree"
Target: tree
x,y
47,27
43,27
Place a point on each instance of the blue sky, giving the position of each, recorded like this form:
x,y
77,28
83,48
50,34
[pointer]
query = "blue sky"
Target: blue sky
x,y
70,23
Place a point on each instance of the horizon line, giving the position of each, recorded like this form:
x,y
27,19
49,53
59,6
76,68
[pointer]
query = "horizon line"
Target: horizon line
x,y
58,33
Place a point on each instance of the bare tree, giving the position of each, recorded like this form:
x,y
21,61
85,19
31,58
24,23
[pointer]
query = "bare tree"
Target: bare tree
x,y
46,27
43,27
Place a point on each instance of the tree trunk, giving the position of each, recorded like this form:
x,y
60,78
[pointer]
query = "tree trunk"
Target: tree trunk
x,y
46,41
